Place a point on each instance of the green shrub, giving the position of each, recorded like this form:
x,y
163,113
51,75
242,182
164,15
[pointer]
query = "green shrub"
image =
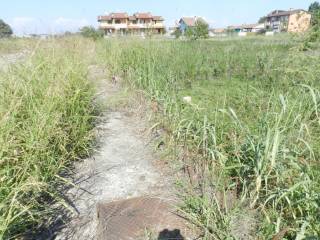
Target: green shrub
x,y
314,9
200,30
5,29
91,32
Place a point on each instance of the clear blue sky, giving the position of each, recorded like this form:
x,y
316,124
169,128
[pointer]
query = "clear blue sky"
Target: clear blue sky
x,y
40,16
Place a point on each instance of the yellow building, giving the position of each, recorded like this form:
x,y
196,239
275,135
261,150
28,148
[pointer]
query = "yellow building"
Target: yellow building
x,y
299,22
288,21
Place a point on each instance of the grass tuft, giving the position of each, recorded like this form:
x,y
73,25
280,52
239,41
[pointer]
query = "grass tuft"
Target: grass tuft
x,y
46,117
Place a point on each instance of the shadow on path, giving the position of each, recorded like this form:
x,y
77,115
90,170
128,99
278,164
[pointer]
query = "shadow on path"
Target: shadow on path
x,y
170,235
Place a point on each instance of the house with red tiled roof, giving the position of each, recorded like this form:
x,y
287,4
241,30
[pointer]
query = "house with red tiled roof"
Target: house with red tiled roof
x,y
138,23
189,22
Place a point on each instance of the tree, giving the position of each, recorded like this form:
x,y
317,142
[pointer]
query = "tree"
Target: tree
x,y
5,29
201,29
262,19
314,9
313,35
91,32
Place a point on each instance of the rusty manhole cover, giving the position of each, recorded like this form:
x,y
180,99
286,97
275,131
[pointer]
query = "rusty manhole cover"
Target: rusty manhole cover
x,y
129,219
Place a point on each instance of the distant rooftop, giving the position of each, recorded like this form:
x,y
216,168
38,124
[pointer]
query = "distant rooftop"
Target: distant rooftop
x,y
191,21
244,26
147,15
279,13
218,30
124,15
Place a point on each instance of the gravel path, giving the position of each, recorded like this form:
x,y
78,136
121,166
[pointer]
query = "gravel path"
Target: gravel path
x,y
121,168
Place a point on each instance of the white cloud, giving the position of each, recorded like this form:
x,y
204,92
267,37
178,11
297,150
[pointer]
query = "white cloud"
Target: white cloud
x,y
29,25
62,24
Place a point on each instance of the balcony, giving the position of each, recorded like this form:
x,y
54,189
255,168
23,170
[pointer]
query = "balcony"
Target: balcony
x,y
275,23
158,25
118,26
113,26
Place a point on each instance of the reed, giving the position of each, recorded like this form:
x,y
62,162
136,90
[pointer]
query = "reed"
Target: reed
x,y
46,117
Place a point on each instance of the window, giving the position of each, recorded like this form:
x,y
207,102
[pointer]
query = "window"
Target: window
x,y
118,21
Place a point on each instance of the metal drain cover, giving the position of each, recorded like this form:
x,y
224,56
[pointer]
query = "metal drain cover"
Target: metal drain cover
x,y
129,220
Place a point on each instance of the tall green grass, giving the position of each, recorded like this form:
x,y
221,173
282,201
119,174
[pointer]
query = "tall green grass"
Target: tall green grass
x,y
251,131
46,115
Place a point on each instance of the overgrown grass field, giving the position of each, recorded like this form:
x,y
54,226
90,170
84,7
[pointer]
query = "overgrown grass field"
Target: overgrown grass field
x,y
248,141
46,116
250,133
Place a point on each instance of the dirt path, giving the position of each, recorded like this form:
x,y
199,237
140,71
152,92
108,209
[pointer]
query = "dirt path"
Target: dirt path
x,y
121,168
